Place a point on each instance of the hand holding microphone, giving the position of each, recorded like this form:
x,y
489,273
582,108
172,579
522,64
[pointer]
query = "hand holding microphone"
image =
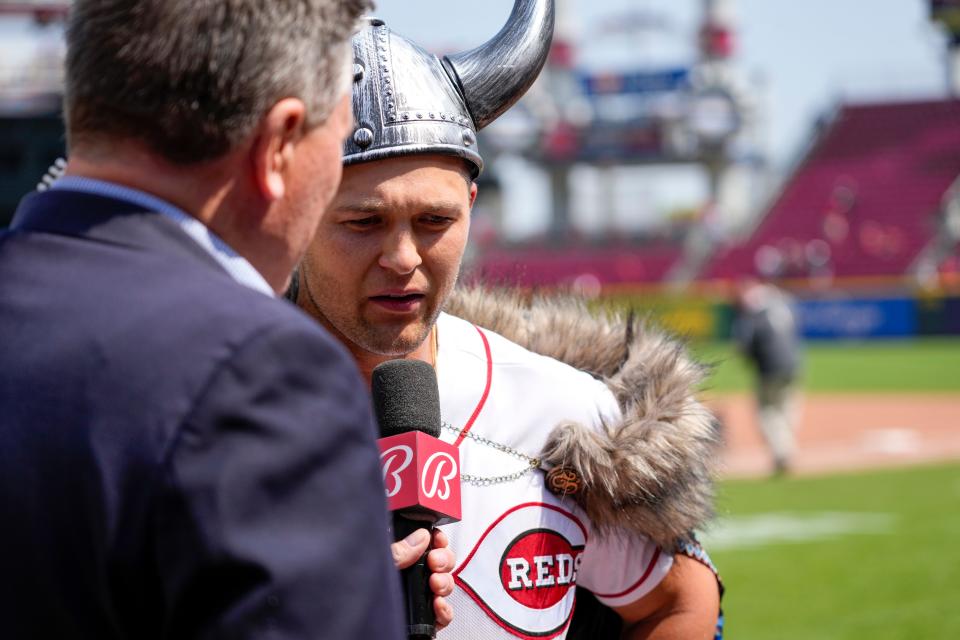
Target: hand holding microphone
x,y
422,480
440,563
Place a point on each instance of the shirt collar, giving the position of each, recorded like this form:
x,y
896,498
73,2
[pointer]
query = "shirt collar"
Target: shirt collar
x,y
233,263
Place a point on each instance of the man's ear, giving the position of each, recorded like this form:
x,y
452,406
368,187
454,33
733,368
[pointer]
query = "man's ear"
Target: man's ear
x,y
473,193
273,148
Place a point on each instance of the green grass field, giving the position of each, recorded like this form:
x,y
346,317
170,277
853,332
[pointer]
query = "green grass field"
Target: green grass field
x,y
871,556
931,364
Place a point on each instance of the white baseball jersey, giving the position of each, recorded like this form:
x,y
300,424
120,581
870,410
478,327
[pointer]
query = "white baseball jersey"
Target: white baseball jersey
x,y
520,549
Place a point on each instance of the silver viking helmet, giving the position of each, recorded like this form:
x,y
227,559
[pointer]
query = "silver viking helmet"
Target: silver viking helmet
x,y
407,101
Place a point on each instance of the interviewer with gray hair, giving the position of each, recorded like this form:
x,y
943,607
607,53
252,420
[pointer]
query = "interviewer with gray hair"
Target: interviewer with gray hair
x,y
183,454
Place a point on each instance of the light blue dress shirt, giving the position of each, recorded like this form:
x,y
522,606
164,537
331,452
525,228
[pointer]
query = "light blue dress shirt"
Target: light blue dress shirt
x,y
236,265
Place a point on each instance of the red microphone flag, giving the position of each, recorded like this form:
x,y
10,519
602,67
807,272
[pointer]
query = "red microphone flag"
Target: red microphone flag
x,y
421,475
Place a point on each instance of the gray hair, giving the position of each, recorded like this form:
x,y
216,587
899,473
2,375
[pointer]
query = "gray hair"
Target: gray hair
x,y
192,78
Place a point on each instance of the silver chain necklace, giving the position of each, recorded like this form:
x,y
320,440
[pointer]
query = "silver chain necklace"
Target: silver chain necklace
x,y
486,481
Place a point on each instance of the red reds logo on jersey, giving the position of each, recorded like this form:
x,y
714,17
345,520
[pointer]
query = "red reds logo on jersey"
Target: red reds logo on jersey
x,y
539,568
535,549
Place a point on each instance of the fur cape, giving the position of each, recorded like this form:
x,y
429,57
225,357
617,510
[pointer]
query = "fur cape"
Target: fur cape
x,y
652,473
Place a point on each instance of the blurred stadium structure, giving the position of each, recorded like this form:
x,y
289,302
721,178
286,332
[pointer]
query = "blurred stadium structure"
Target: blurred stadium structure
x,y
864,227
31,84
706,115
865,200
617,126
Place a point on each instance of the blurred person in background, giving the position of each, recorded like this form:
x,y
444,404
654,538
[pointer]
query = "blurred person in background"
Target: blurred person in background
x,y
590,472
765,332
182,454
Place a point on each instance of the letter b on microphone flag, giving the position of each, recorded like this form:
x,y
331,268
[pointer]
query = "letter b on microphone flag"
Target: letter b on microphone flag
x,y
421,475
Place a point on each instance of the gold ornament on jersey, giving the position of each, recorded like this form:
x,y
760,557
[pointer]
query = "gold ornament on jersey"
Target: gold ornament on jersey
x,y
564,481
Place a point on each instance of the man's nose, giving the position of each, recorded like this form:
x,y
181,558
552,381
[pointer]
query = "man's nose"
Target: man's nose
x,y
400,253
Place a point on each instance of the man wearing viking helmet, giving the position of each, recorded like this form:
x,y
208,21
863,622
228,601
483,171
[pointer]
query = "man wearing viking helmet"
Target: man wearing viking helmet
x,y
615,427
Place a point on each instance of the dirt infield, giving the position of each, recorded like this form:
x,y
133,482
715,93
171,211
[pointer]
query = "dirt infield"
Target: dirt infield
x,y
846,431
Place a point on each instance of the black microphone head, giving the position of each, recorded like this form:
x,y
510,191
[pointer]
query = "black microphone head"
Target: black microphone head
x,y
406,398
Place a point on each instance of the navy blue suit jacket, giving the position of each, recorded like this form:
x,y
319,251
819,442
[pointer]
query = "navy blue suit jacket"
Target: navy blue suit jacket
x,y
180,456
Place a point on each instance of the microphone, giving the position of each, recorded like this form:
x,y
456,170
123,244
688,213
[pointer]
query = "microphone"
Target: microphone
x,y
421,474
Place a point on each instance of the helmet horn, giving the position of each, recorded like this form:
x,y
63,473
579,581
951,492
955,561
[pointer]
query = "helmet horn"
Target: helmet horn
x,y
492,77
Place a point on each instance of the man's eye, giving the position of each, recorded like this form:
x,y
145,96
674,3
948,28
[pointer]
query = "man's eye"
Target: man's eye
x,y
362,223
436,221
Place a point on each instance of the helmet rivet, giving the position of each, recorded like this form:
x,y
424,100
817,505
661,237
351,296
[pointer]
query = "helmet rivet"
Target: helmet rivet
x,y
468,137
357,72
420,115
363,137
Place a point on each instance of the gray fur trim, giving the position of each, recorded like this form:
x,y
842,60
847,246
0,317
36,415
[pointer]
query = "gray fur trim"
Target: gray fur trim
x,y
652,473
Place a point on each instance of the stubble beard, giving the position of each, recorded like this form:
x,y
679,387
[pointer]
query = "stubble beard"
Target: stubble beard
x,y
387,341
378,338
